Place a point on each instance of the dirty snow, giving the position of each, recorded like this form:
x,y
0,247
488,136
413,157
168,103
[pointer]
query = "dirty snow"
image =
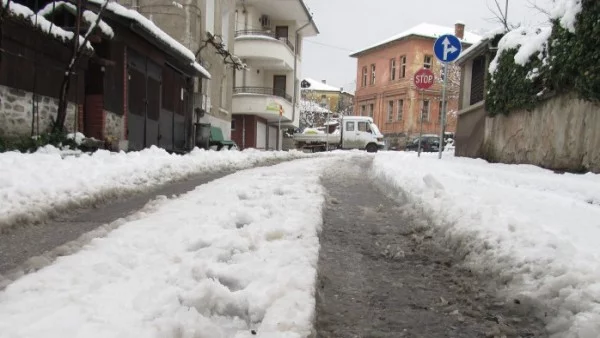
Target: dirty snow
x,y
34,186
535,231
234,255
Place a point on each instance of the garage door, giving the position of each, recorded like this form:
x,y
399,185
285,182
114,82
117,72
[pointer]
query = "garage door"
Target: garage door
x,y
261,135
272,138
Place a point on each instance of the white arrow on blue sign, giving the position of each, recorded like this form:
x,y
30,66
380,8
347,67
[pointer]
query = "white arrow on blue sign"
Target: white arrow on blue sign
x,y
447,48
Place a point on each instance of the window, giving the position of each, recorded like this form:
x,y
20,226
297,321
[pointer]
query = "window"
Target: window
x,y
400,109
363,110
364,76
478,80
390,112
393,69
402,66
364,126
427,61
350,126
323,101
373,74
425,111
232,124
371,109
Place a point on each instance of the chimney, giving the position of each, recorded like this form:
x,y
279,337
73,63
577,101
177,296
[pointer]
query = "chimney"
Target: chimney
x,y
324,81
459,30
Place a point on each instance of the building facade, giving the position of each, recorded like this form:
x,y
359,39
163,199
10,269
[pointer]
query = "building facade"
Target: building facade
x,y
385,87
268,39
336,99
206,27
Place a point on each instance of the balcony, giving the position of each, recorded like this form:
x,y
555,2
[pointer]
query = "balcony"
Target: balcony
x,y
263,91
264,102
263,49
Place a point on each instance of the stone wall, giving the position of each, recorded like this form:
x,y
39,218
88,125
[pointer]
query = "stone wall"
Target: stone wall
x,y
16,113
562,133
114,130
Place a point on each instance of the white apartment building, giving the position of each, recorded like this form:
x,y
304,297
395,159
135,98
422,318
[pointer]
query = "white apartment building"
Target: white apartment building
x,y
268,38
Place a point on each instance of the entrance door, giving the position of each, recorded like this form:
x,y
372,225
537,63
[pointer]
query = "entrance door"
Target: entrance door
x,y
136,113
261,135
279,84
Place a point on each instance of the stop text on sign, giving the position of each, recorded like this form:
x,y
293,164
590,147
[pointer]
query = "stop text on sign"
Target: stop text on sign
x,y
424,78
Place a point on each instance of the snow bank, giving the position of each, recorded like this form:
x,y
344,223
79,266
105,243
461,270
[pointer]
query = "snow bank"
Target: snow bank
x,y
234,255
537,232
35,186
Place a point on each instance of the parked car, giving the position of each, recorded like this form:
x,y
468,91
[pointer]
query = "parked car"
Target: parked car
x,y
429,143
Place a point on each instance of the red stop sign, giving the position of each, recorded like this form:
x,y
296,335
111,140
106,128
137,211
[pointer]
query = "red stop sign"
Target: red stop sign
x,y
424,78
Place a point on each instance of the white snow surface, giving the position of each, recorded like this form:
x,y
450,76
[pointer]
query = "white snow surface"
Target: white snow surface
x,y
88,16
319,86
310,106
426,30
565,11
43,24
236,254
34,186
535,231
528,41
154,30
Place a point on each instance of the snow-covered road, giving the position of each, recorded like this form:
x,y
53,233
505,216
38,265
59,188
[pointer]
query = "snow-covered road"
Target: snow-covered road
x,y
35,186
235,255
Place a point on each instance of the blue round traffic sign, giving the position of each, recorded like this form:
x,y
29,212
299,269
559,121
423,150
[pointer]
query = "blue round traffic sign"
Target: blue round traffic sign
x,y
447,48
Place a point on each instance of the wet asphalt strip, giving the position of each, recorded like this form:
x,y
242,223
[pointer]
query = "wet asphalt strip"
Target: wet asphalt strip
x,y
382,275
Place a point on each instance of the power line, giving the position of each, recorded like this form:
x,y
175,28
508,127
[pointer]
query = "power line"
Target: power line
x,y
330,46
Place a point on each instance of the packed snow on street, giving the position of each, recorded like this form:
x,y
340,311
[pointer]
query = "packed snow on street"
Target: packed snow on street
x,y
235,255
535,231
32,186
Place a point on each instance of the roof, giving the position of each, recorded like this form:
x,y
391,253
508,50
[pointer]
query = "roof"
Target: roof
x,y
42,24
155,31
88,16
322,87
481,46
426,30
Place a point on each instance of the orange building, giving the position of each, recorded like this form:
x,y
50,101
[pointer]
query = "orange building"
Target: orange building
x,y
385,88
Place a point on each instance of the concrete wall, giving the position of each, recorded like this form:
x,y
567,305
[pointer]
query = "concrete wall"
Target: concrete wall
x,y
16,113
563,133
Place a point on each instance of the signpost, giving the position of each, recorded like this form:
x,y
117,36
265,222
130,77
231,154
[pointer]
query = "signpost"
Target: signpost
x,y
423,80
447,49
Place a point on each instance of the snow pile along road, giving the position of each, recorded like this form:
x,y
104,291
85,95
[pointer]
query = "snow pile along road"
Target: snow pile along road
x,y
536,231
34,186
235,255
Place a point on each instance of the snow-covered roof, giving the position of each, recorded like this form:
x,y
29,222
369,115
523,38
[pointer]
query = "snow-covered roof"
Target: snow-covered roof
x,y
322,87
42,23
88,16
425,30
155,31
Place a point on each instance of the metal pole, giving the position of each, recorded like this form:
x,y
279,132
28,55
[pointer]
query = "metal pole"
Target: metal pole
x,y
279,140
421,130
443,112
327,132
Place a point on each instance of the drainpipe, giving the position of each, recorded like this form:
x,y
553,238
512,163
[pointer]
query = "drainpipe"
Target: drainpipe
x,y
295,96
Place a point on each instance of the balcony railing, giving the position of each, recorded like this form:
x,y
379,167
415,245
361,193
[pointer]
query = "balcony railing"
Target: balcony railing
x,y
263,91
257,32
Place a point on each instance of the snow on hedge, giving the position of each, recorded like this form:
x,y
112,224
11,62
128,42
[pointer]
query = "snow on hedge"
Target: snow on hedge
x,y
536,231
529,41
235,255
34,186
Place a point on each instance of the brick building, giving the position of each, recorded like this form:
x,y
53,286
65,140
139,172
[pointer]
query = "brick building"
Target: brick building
x,y
385,89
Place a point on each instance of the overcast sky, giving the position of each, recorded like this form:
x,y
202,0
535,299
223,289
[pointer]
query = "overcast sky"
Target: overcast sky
x,y
349,25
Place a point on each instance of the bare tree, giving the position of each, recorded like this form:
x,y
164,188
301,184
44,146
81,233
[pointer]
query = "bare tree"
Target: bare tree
x,y
312,114
78,48
500,15
453,84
